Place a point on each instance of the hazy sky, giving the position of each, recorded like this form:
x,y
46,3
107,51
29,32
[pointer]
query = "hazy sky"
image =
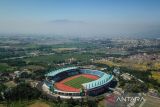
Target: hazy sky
x,y
85,17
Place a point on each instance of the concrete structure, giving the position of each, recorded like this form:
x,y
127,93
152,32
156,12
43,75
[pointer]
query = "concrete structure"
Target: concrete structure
x,y
92,88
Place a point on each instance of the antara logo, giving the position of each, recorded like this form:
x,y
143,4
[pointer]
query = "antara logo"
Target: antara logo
x,y
128,99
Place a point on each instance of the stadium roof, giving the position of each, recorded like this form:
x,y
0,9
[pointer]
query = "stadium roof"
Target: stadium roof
x,y
53,73
106,78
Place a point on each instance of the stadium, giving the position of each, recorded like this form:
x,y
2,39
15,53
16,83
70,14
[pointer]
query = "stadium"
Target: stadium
x,y
76,82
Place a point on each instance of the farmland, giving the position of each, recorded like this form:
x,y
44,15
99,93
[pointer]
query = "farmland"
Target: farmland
x,y
156,76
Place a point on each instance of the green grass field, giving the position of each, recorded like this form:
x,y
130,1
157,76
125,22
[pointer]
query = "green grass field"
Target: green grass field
x,y
76,82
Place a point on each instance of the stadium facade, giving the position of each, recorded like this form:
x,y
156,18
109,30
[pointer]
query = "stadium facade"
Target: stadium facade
x,y
92,88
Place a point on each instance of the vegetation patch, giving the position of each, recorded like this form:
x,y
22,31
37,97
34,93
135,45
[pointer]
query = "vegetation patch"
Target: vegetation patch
x,y
156,76
39,104
5,67
10,84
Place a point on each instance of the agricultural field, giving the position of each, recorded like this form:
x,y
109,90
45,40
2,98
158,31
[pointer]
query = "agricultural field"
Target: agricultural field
x,y
141,64
156,76
141,67
156,66
107,62
65,49
76,82
61,57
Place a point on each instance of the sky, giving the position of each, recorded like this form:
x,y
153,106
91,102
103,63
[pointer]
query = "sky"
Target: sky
x,y
81,17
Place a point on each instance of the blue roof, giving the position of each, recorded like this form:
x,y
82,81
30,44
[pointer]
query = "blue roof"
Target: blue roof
x,y
53,73
106,78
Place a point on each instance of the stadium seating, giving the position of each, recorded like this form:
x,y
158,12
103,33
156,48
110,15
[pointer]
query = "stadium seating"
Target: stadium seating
x,y
92,88
104,78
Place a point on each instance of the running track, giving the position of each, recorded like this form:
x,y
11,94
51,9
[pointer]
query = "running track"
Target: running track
x,y
61,86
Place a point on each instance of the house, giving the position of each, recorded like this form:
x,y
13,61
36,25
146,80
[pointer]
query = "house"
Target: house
x,y
116,71
17,73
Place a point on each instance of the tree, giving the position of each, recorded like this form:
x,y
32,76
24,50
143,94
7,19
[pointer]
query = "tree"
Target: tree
x,y
92,102
2,89
22,91
71,102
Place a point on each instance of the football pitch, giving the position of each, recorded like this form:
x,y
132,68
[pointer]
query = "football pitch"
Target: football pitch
x,y
76,82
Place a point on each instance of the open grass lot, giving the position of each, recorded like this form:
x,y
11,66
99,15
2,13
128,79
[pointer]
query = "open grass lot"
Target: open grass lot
x,y
10,84
76,82
151,102
34,103
39,104
2,105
